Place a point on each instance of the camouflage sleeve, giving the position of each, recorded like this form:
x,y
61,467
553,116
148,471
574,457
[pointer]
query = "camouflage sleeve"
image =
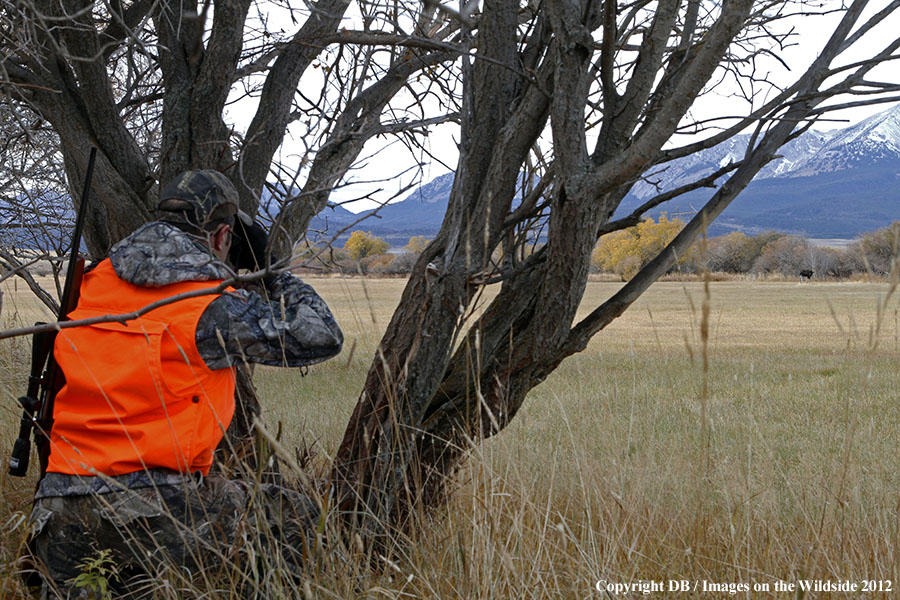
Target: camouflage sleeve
x,y
290,327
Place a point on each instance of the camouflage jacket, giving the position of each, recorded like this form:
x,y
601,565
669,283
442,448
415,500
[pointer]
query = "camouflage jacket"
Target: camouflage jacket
x,y
285,324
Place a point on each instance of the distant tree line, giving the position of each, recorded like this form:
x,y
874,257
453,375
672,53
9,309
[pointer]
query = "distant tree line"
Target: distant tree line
x,y
365,253
626,252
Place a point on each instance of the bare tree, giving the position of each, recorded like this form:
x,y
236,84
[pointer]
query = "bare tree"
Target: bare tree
x,y
613,83
150,83
562,107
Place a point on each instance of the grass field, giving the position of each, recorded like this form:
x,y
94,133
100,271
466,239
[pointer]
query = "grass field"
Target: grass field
x,y
618,468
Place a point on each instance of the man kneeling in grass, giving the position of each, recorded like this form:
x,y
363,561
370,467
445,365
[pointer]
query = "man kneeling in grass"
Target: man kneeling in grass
x,y
146,403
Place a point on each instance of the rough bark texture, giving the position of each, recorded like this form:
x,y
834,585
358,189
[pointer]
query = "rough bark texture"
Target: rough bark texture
x,y
69,71
423,405
149,85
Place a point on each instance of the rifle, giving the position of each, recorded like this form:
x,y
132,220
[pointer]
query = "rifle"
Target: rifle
x,y
46,379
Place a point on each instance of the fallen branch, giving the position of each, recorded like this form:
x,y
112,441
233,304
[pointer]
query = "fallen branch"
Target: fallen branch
x,y
131,316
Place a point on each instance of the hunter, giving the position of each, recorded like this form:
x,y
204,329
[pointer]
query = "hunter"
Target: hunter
x,y
146,402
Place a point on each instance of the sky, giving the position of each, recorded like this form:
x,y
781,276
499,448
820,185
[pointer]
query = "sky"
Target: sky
x,y
385,169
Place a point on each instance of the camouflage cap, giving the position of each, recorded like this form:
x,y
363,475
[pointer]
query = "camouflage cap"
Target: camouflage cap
x,y
198,198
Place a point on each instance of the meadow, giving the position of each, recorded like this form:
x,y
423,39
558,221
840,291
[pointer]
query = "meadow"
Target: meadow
x,y
761,455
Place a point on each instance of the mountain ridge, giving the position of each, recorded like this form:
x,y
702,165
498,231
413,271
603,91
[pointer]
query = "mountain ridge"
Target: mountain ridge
x,y
823,184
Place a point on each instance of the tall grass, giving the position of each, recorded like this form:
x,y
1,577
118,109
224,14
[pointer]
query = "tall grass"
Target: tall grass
x,y
613,470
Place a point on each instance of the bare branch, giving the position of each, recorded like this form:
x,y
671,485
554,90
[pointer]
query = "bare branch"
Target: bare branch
x,y
20,269
635,217
422,124
378,38
131,316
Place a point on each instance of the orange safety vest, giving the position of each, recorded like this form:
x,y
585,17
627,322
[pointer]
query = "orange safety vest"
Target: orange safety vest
x,y
137,395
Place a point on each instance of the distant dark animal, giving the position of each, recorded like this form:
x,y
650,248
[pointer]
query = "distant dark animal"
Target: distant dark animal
x,y
806,274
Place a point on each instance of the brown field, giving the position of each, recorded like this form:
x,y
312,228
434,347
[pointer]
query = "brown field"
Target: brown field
x,y
611,471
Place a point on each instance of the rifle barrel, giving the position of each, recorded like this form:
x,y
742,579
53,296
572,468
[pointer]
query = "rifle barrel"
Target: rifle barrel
x,y
66,302
43,384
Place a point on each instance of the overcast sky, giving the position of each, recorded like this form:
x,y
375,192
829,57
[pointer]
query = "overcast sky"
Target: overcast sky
x,y
384,170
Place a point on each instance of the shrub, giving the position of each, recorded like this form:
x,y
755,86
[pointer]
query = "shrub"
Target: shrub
x,y
626,252
379,265
363,244
787,255
878,249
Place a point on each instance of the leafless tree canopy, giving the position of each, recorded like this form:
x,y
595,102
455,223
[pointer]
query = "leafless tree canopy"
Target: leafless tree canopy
x,y
561,107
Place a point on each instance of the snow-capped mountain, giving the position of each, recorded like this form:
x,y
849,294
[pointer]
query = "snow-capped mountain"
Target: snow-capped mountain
x,y
831,184
865,144
690,168
869,142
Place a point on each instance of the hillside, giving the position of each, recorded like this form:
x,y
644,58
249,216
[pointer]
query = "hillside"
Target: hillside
x,y
834,184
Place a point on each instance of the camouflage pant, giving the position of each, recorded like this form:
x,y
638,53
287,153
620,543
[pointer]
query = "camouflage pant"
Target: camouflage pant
x,y
186,535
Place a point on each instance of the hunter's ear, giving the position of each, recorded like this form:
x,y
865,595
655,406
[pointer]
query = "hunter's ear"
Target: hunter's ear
x,y
220,240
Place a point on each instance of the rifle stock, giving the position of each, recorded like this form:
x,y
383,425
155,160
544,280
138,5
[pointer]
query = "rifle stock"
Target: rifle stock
x,y
41,348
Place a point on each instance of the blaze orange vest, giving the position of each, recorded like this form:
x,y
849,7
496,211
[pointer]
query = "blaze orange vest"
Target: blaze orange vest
x,y
137,395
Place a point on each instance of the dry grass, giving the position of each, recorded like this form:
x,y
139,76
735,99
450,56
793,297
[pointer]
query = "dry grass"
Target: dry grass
x,y
607,473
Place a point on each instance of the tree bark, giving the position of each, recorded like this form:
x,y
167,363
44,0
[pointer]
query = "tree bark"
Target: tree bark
x,y
422,408
441,379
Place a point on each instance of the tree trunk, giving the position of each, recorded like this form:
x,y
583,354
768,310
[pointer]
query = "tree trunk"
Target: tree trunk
x,y
441,379
423,404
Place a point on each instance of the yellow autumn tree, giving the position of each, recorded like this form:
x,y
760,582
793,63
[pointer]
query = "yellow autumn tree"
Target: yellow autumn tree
x,y
625,252
612,249
416,244
363,244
